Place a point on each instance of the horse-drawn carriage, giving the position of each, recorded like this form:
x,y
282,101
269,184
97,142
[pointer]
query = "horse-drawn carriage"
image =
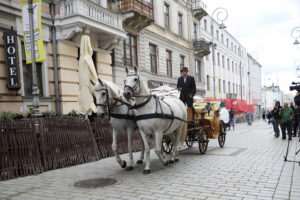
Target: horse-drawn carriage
x,y
204,123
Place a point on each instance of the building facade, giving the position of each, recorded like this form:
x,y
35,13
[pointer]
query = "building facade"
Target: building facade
x,y
227,78
158,36
270,95
254,77
65,21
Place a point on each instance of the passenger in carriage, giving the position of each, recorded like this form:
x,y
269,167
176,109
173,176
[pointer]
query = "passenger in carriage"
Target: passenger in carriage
x,y
187,87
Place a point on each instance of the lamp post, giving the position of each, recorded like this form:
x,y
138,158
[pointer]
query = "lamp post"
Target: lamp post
x,y
297,64
35,89
295,33
221,15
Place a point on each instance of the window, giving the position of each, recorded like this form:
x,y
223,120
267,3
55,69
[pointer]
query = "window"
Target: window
x,y
222,38
243,90
198,70
223,61
195,31
218,58
27,75
169,63
231,46
217,34
207,83
153,58
130,51
232,66
181,61
242,71
180,32
220,85
167,15
228,87
228,64
224,87
233,88
227,42
237,88
205,24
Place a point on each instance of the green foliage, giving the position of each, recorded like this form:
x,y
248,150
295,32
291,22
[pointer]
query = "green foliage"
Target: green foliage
x,y
73,113
10,116
48,113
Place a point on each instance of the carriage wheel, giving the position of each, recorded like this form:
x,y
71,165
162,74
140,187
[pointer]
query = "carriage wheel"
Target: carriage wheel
x,y
189,140
222,135
167,145
203,141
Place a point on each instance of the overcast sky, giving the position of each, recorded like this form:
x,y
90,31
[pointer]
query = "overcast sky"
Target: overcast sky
x,y
264,28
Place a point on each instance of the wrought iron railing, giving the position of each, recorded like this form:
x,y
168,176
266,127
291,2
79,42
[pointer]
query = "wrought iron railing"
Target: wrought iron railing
x,y
144,7
198,4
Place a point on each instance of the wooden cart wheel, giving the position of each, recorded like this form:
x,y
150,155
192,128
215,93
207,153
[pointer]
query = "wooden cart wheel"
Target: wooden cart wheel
x,y
222,135
189,139
167,145
203,141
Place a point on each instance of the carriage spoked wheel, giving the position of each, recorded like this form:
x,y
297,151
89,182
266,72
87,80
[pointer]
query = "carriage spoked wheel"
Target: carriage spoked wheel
x,y
222,135
167,145
203,141
189,140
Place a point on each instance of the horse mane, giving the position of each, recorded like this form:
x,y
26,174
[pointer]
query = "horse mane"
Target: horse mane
x,y
115,89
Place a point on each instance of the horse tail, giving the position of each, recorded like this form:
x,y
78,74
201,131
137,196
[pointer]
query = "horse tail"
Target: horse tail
x,y
183,130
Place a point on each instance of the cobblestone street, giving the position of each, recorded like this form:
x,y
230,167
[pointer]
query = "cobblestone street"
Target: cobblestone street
x,y
250,166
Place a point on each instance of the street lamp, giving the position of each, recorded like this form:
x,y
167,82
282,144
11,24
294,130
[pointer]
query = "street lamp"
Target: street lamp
x,y
295,33
297,64
221,15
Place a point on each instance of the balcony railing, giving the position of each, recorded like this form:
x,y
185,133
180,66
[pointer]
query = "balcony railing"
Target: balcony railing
x,y
90,10
198,4
201,47
199,9
144,7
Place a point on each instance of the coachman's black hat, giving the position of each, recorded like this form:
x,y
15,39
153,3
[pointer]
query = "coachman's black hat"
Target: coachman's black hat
x,y
185,69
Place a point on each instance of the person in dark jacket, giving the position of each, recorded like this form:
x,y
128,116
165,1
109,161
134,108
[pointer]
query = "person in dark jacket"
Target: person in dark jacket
x,y
187,86
276,115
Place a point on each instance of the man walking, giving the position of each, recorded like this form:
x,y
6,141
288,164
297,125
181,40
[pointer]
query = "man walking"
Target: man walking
x,y
231,119
276,117
187,86
286,122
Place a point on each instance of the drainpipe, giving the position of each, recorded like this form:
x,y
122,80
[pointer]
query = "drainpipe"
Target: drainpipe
x,y
55,57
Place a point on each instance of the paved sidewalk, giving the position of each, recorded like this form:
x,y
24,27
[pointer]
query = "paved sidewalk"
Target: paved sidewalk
x,y
250,166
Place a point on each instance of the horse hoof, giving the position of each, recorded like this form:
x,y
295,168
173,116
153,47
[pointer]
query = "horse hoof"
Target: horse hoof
x,y
171,161
166,163
139,162
124,164
147,171
129,168
176,160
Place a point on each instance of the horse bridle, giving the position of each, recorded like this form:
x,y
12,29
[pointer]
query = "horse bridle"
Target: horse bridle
x,y
137,84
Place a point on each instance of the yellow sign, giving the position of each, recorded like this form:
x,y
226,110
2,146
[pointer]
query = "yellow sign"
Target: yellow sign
x,y
37,26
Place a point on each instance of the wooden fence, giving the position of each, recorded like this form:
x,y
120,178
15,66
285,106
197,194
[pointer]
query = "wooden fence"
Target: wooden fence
x,y
60,142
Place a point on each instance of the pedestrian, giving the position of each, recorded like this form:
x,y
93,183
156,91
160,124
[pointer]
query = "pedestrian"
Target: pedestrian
x,y
187,87
231,119
276,117
264,115
269,116
294,120
285,121
249,118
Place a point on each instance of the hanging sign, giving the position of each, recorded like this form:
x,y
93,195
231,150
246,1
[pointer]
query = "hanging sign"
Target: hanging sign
x,y
11,51
37,26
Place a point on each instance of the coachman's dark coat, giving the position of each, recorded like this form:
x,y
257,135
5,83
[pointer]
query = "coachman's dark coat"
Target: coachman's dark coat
x,y
188,90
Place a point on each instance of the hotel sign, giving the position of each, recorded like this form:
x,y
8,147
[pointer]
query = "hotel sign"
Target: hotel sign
x,y
12,62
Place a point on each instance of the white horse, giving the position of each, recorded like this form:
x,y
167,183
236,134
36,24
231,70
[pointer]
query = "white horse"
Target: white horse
x,y
121,118
157,116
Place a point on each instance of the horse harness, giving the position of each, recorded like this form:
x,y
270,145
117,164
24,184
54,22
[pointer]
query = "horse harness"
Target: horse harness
x,y
114,105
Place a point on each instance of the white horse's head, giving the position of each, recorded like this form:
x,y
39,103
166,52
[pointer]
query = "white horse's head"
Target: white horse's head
x,y
132,83
102,95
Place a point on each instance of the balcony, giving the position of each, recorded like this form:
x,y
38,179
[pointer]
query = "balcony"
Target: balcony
x,y
75,15
201,47
198,9
138,14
